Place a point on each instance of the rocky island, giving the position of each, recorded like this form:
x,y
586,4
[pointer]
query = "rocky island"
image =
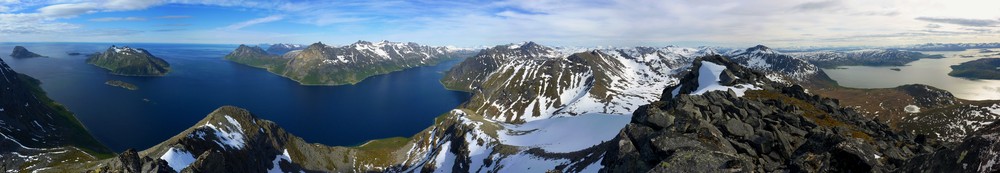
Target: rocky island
x,y
986,68
21,52
126,61
122,84
320,64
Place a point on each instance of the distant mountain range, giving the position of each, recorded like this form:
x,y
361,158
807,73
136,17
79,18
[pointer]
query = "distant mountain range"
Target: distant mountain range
x,y
536,109
866,57
128,61
320,64
949,46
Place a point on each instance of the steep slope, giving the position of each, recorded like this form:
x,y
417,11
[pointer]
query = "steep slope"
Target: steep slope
x,y
319,64
37,132
527,81
128,61
21,52
733,119
868,57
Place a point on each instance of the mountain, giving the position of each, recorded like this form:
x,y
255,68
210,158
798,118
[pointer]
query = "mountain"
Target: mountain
x,y
723,117
949,46
985,68
282,48
540,82
128,61
867,57
777,66
719,116
21,52
319,64
38,132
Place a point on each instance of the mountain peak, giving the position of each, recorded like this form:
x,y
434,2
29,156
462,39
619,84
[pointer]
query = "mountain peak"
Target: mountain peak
x,y
760,49
717,73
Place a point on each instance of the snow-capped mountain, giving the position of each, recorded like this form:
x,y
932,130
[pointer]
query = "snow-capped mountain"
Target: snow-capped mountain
x,y
949,46
551,83
127,61
282,48
866,57
321,64
37,132
540,109
778,67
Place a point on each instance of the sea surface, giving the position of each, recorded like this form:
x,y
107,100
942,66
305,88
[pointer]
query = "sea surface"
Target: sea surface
x,y
396,104
933,72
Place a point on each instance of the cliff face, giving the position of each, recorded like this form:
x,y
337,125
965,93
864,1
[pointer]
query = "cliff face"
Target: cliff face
x,y
128,61
37,132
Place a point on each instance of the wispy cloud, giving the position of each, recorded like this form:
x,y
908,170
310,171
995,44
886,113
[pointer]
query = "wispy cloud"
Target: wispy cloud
x,y
962,21
252,22
113,19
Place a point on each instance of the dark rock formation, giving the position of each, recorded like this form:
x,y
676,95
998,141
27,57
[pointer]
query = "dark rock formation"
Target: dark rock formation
x,y
21,52
777,128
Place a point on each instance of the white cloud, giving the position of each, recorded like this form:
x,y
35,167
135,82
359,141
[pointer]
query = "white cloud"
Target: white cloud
x,y
252,22
112,19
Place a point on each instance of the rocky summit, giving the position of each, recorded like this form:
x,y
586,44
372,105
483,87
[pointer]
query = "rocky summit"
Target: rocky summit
x,y
128,61
772,127
21,52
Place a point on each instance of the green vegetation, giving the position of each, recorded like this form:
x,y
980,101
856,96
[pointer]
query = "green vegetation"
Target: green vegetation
x,y
986,68
130,62
122,84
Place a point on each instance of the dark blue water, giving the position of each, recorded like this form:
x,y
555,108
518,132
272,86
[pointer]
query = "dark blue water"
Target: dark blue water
x,y
397,104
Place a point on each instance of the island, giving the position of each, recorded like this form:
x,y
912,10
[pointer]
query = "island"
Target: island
x,y
122,84
126,61
320,64
986,68
74,54
895,69
21,52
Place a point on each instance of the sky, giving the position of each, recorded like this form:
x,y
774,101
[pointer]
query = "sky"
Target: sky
x,y
776,23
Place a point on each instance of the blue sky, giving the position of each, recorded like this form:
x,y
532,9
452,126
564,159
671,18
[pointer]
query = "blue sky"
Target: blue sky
x,y
476,23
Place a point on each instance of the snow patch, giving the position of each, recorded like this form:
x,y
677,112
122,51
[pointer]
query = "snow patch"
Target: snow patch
x,y
275,167
708,79
177,158
565,134
911,109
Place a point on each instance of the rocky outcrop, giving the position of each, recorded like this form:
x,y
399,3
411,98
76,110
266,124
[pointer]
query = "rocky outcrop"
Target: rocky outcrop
x,y
36,131
128,61
773,129
21,52
978,152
